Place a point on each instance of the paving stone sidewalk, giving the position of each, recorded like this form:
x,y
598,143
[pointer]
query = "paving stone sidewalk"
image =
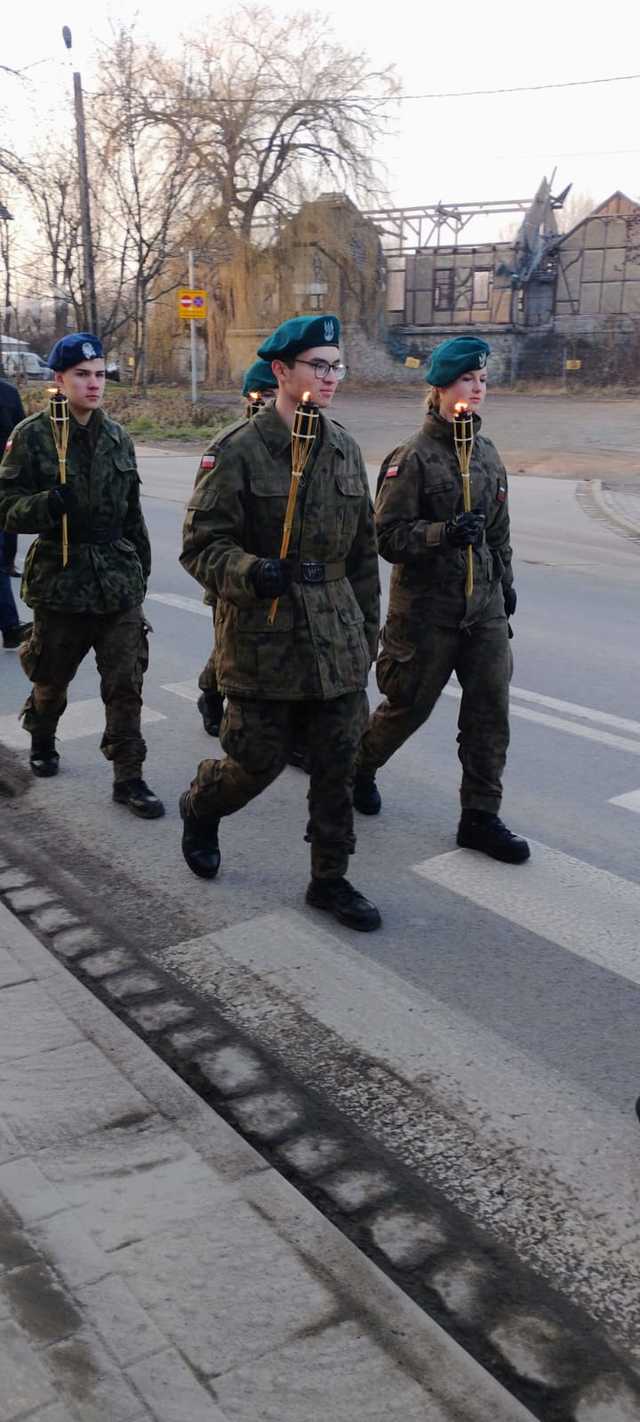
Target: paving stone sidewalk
x,y
152,1265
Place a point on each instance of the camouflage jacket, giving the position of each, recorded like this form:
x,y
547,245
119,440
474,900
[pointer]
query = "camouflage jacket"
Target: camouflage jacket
x,y
207,466
419,490
109,552
325,633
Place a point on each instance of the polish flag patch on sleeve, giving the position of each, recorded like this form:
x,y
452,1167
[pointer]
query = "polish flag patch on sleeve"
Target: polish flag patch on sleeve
x,y
8,444
391,471
207,463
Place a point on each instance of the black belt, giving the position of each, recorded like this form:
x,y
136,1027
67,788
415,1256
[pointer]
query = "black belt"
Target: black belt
x,y
312,572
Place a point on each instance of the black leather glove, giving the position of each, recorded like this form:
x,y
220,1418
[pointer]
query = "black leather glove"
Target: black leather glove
x,y
467,529
510,599
60,500
271,576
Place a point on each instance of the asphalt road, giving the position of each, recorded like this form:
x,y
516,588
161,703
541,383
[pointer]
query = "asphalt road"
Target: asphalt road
x,y
500,1004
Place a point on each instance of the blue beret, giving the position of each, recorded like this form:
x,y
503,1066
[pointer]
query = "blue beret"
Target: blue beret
x,y
259,377
455,357
74,349
299,334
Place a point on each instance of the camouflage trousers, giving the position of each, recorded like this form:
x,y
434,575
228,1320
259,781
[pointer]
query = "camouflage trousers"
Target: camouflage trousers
x,y
257,737
208,681
482,661
58,643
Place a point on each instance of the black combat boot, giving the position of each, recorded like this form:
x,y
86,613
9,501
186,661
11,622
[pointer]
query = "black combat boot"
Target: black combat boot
x,y
338,896
138,798
12,638
211,708
199,841
44,759
366,795
479,829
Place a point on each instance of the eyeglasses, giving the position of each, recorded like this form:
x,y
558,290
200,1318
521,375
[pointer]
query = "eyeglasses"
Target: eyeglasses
x,y
322,368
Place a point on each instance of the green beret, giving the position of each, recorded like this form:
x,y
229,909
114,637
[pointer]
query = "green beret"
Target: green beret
x,y
259,377
455,357
300,334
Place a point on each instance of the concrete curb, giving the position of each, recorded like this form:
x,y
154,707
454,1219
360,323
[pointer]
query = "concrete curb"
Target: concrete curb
x,y
420,1353
619,521
549,1356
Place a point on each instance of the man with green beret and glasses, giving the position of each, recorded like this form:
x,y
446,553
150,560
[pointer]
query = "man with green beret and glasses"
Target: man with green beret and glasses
x,y
95,599
433,628
258,380
310,666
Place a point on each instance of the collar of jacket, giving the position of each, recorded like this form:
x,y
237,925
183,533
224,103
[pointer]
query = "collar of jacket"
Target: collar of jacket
x,y
277,436
438,428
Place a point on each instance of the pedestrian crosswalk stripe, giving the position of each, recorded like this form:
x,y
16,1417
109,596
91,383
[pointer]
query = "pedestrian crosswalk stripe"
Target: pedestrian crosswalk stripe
x,y
630,801
588,911
572,728
188,689
186,604
81,718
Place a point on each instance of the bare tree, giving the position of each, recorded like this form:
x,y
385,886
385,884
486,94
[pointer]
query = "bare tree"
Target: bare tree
x,y
147,172
49,180
266,105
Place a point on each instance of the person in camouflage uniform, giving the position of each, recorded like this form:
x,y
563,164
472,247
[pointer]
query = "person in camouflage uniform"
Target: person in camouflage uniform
x,y
96,600
311,666
259,381
432,627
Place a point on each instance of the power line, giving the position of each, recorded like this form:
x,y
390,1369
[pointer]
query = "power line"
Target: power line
x,y
517,89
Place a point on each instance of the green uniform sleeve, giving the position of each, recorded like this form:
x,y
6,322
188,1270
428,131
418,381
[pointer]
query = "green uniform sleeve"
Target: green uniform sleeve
x,y
23,502
213,530
134,527
362,567
403,534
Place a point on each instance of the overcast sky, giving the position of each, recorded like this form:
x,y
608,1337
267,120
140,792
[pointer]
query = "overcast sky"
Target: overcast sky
x,y
450,149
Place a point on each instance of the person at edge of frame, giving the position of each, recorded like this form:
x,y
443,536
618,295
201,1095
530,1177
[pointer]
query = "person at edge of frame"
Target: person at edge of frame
x,y
311,666
12,629
432,628
96,600
259,378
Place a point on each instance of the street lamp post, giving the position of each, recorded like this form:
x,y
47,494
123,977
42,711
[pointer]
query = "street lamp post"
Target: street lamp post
x,y
91,306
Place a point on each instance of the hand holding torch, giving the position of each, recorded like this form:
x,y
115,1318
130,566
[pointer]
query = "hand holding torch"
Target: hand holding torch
x,y
303,433
59,418
463,441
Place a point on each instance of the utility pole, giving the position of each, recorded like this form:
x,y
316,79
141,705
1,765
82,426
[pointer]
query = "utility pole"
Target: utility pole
x,y
192,325
91,307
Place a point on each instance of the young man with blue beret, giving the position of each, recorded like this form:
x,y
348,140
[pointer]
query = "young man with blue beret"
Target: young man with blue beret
x,y
433,628
259,380
310,667
96,600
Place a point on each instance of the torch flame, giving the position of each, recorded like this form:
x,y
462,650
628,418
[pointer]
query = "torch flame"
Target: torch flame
x,y
461,408
306,397
254,394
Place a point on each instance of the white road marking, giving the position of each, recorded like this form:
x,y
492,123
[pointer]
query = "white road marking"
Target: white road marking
x,y
588,911
572,728
585,713
630,801
187,604
81,718
188,689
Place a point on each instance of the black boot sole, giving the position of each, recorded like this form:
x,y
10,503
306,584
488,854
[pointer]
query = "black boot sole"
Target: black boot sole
x,y
143,812
502,855
45,769
359,924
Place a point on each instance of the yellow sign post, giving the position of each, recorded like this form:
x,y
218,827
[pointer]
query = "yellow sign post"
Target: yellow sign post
x,y
192,303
